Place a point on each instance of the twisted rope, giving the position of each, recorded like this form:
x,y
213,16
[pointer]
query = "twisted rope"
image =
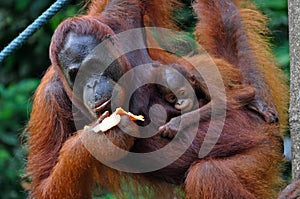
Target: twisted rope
x,y
32,28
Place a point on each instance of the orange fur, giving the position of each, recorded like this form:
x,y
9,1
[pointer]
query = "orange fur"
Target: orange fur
x,y
60,166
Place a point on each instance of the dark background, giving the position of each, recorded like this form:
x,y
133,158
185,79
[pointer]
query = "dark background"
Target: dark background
x,y
20,73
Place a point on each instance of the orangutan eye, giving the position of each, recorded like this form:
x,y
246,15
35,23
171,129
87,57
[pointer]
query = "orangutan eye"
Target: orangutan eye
x,y
171,98
182,93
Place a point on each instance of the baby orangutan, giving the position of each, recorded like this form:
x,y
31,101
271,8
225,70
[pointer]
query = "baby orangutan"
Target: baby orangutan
x,y
187,92
181,89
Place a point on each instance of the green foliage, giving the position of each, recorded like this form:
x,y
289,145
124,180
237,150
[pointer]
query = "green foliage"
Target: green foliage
x,y
15,105
32,58
278,24
19,73
19,77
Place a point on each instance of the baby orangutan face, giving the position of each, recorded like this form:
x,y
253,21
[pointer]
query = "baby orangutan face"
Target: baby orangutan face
x,y
179,92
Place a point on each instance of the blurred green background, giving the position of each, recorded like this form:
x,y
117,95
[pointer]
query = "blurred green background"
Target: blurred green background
x,y
21,72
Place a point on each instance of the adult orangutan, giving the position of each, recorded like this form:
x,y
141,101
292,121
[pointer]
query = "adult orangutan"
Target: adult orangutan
x,y
244,163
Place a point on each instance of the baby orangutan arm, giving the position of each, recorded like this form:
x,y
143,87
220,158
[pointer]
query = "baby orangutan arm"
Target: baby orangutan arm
x,y
241,97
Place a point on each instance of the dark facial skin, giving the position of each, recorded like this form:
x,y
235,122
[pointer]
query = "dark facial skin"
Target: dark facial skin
x,y
192,108
182,95
97,87
76,48
182,86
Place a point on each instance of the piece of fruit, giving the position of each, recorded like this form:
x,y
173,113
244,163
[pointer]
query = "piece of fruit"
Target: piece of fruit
x,y
132,116
114,119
